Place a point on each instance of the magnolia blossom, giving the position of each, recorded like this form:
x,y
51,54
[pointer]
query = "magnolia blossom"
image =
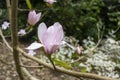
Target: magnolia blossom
x,y
5,25
33,18
50,38
22,32
50,1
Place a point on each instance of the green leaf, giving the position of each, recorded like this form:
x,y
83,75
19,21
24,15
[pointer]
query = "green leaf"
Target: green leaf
x,y
29,5
62,63
83,69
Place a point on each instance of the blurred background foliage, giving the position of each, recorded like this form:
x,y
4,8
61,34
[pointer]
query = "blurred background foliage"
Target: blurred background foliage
x,y
80,18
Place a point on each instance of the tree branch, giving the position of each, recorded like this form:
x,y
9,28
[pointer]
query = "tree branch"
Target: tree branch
x,y
26,66
15,37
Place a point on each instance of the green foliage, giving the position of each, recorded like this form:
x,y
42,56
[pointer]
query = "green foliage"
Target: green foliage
x,y
3,15
79,18
62,63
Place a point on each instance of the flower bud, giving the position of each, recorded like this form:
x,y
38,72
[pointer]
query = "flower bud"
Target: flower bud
x,y
33,18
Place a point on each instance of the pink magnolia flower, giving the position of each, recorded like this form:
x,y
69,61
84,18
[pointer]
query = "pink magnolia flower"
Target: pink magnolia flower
x,y
50,38
5,25
50,1
22,32
33,18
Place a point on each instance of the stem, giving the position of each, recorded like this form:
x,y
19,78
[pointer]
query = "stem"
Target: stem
x,y
49,57
15,37
26,66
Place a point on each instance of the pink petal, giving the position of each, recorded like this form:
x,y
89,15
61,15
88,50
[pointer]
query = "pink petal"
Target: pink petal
x,y
37,17
51,48
60,31
42,28
5,25
52,37
33,16
30,17
54,34
34,46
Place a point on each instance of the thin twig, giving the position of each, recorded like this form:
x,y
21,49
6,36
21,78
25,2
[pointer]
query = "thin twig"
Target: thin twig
x,y
4,40
99,38
26,66
117,30
80,58
28,74
19,9
4,62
